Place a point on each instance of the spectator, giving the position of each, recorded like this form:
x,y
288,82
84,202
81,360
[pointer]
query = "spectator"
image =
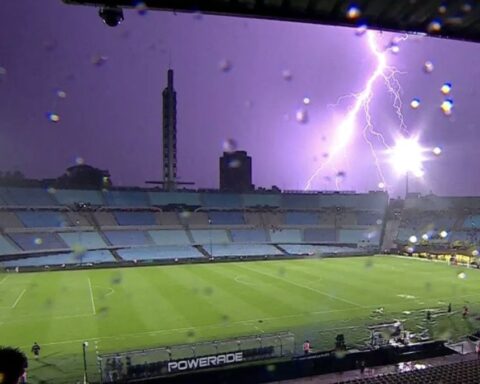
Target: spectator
x,y
13,363
306,347
36,350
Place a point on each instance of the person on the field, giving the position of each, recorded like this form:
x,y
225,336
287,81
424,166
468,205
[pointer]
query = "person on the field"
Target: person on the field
x,y
13,363
465,312
449,309
36,350
306,347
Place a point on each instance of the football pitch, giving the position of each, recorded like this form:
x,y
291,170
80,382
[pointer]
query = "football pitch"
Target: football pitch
x,y
131,308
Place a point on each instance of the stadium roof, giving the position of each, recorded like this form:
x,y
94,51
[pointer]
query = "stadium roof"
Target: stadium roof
x,y
456,19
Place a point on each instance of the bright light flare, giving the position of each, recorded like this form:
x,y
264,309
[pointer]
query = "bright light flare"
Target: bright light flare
x,y
407,156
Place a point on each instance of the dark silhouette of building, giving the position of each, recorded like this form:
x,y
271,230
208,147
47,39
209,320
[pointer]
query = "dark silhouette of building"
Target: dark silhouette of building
x,y
169,135
236,172
84,176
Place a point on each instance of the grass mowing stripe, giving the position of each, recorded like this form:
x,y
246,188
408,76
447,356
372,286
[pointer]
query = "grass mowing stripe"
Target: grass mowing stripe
x,y
4,279
91,296
303,286
19,298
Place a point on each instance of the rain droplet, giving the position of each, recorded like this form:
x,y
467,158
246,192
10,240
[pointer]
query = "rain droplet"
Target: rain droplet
x,y
475,252
185,214
442,9
443,234
98,60
381,185
462,275
379,221
467,7
413,239
301,116
428,67
447,107
446,88
353,12
53,117
208,291
415,103
437,151
341,174
434,26
51,190
235,163
306,100
248,104
78,251
287,75
116,278
361,29
79,160
141,8
325,155
38,241
229,145
61,94
3,71
425,237
197,15
225,65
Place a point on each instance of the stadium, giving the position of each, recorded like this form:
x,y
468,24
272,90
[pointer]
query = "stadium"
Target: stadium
x,y
318,273
228,268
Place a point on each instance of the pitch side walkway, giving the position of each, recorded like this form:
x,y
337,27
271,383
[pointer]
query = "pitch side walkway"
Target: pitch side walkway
x,y
337,378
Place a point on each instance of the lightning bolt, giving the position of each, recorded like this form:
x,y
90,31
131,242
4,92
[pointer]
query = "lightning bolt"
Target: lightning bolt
x,y
362,100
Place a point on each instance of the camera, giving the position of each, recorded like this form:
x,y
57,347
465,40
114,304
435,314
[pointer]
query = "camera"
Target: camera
x,y
112,16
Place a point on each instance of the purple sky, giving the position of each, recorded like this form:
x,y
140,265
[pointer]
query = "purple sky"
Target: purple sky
x,y
111,116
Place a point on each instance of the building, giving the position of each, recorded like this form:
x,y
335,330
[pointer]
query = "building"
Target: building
x,y
236,172
169,135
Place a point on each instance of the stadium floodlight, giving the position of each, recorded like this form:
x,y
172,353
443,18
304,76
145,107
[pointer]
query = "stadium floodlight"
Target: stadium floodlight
x,y
443,234
412,239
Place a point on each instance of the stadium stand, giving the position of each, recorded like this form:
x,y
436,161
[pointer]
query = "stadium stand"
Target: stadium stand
x,y
87,240
233,250
262,200
170,237
29,197
6,247
159,252
127,238
191,199
38,241
301,218
126,198
70,197
226,218
286,236
105,219
317,250
126,218
210,236
9,220
170,218
43,219
222,200
89,257
322,235
248,235
194,219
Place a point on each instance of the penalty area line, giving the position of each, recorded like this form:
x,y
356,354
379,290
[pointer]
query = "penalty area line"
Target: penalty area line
x,y
91,297
19,298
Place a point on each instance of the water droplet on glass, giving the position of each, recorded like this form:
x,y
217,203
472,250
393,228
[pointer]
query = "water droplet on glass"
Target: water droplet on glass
x,y
475,252
437,151
78,251
235,163
208,291
446,88
381,185
301,116
306,100
341,175
443,234
61,94
98,60
353,12
428,67
434,27
379,222
287,75
425,237
442,9
38,241
412,239
415,103
462,275
51,190
79,160
447,107
248,104
467,7
197,15
229,145
361,29
225,65
53,117
116,278
185,214
141,8
3,71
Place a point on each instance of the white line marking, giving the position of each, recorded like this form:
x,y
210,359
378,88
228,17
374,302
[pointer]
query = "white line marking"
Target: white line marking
x,y
4,279
304,287
18,298
238,279
91,296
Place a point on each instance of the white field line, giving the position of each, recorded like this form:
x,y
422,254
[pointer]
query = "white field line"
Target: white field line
x,y
91,296
304,287
4,279
238,279
19,298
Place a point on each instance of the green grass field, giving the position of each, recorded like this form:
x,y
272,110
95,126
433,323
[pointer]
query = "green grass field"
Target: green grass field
x,y
131,308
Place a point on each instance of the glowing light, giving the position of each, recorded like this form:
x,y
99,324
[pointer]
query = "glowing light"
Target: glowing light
x,y
353,12
413,239
361,29
425,237
447,106
462,275
79,160
61,94
407,156
53,117
301,116
475,252
437,151
381,185
443,234
306,100
415,103
428,67
38,241
446,88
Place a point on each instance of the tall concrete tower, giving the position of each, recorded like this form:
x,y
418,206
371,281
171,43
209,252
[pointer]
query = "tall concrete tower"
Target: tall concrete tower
x,y
169,135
